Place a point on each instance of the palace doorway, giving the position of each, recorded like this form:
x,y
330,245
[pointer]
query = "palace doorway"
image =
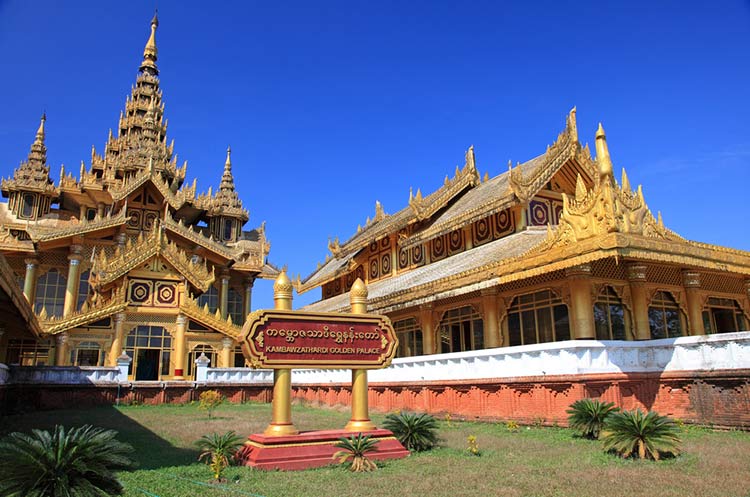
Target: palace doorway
x,y
150,348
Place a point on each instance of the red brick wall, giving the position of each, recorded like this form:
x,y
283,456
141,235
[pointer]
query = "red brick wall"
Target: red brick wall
x,y
718,398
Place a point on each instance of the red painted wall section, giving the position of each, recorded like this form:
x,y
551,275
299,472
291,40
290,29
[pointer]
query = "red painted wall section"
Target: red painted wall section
x,y
716,398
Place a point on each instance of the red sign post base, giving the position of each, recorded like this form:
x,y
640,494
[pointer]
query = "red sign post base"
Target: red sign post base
x,y
311,449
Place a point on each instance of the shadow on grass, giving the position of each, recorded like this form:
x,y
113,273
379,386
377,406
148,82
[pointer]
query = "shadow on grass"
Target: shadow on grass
x,y
151,451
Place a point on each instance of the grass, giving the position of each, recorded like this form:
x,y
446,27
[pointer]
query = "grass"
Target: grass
x,y
529,462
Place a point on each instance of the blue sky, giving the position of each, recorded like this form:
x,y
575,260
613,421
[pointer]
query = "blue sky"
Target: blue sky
x,y
330,106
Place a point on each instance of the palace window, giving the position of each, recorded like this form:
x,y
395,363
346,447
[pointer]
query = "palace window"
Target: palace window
x,y
538,318
235,307
609,316
50,293
239,358
196,353
228,229
83,288
27,206
723,316
460,330
664,316
409,338
88,354
210,297
27,352
150,347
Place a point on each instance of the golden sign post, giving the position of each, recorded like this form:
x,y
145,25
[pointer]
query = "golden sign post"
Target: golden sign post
x,y
281,404
283,339
360,404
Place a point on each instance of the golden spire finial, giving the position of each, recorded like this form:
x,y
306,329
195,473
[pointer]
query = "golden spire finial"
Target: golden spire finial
x,y
150,52
227,179
40,131
602,154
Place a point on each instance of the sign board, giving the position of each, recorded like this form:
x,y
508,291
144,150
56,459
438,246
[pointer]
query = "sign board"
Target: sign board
x,y
293,339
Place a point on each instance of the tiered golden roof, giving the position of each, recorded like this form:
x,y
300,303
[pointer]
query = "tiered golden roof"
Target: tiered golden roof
x,y
598,219
33,174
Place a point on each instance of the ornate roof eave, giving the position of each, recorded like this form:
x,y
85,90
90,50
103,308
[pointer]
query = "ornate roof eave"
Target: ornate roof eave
x,y
9,185
40,234
208,243
110,269
11,243
211,320
86,315
307,284
196,273
175,200
540,261
521,188
419,208
9,284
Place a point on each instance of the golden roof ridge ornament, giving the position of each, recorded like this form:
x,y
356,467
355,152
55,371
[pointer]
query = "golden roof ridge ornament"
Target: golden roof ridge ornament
x,y
603,160
150,52
607,208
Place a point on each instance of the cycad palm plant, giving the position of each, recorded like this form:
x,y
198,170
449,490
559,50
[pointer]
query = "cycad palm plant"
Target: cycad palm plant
x,y
356,449
588,416
218,451
80,462
416,432
631,433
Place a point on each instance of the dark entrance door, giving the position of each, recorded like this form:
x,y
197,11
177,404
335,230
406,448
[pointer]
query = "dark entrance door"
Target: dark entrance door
x,y
147,365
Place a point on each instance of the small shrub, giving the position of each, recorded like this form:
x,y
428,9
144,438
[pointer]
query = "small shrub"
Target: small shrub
x,y
210,400
472,447
416,432
587,416
538,422
448,419
218,451
631,433
356,449
78,462
511,426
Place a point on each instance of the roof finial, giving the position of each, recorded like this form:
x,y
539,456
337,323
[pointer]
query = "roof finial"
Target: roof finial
x,y
227,179
40,131
602,154
150,52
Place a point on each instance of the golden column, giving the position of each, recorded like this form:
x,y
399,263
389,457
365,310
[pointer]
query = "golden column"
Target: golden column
x,y
225,356
248,304
61,351
637,278
580,301
224,295
117,340
428,328
180,347
281,404
360,404
491,321
692,282
74,274
29,281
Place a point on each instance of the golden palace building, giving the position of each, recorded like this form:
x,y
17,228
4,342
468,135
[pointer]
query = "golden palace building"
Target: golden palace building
x,y
127,256
553,249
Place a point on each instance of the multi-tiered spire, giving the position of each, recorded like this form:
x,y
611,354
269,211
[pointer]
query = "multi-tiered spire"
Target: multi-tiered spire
x,y
227,202
31,185
141,140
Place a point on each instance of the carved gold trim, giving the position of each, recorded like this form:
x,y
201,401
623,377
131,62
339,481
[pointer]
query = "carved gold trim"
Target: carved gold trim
x,y
191,309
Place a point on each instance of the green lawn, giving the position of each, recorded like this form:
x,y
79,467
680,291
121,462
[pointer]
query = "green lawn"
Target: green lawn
x,y
529,462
